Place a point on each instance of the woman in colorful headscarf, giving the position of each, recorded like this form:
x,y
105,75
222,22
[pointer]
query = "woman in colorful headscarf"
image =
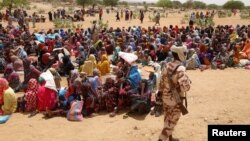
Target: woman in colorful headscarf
x,y
8,98
221,59
8,70
110,96
88,95
29,72
115,56
141,100
31,95
47,97
134,76
103,66
67,66
89,66
14,81
109,47
21,53
193,61
57,78
96,80
73,75
236,55
124,88
17,63
12,77
245,53
3,87
92,59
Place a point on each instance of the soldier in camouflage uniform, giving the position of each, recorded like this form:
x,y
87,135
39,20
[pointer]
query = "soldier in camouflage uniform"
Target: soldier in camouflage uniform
x,y
171,109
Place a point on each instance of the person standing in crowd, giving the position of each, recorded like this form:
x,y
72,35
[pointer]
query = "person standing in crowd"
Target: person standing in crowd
x,y
117,16
157,19
173,76
55,15
192,19
131,15
126,15
34,19
50,16
141,16
100,13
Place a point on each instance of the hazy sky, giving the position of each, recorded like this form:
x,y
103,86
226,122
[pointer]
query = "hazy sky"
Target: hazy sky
x,y
219,2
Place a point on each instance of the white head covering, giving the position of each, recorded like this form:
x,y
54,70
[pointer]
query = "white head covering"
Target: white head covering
x,y
180,51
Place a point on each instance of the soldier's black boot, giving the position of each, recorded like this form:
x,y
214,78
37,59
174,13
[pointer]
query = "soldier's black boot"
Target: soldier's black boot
x,y
172,139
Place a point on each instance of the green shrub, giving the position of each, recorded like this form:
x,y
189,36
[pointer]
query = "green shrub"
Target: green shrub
x,y
63,23
222,14
205,22
229,14
245,14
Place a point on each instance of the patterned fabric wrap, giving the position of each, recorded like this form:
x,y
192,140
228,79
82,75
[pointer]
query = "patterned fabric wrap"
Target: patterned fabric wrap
x,y
31,95
110,95
74,114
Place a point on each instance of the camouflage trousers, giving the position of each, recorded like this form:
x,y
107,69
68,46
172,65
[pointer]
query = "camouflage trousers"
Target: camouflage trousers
x,y
171,117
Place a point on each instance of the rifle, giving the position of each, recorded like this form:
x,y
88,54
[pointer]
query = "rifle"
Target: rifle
x,y
176,95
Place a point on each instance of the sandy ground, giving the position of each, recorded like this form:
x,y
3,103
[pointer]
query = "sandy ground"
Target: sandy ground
x,y
216,97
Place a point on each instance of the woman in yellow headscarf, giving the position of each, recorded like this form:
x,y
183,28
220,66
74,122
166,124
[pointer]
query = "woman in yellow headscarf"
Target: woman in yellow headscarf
x,y
89,65
92,59
8,97
103,66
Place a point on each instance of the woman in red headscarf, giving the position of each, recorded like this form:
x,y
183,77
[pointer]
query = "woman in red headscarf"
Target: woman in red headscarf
x,y
31,96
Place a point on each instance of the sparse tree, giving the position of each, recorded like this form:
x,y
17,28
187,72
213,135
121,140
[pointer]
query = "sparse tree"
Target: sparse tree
x,y
13,3
176,4
199,5
188,4
83,3
232,4
145,5
110,2
99,2
213,6
164,4
124,3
